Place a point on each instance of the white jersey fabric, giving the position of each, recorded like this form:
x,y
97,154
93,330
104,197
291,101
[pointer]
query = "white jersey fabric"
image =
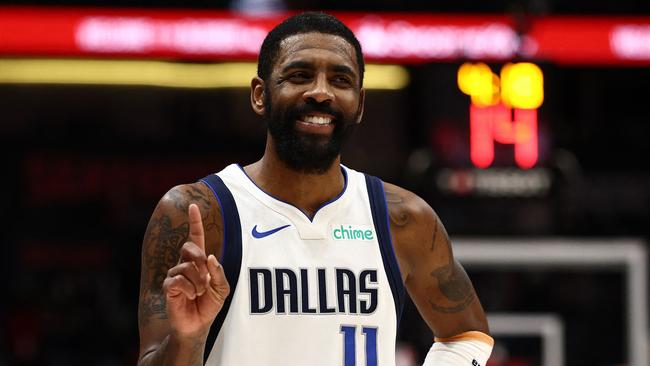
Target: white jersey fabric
x,y
320,291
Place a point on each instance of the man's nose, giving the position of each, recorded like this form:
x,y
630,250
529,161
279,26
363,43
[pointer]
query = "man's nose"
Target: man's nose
x,y
320,90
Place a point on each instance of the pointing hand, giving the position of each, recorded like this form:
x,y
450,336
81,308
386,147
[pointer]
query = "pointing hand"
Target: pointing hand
x,y
196,288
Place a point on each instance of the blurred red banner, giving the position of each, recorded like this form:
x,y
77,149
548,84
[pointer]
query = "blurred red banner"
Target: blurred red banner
x,y
386,37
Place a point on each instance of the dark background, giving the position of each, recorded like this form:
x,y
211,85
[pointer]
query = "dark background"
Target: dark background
x,y
84,166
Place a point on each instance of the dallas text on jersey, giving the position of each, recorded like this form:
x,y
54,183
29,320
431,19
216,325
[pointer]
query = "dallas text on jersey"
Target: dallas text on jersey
x,y
271,288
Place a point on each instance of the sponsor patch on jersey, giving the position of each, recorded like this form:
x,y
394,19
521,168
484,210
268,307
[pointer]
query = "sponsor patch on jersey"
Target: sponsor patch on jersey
x,y
353,232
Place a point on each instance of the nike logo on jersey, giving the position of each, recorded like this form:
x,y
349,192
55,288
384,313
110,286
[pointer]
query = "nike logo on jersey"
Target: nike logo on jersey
x,y
263,234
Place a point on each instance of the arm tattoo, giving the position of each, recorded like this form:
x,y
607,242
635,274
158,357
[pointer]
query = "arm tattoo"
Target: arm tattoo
x,y
455,286
162,246
452,309
191,194
451,290
435,236
452,281
396,209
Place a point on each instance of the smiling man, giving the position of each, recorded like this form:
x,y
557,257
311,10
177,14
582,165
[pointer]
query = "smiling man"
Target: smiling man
x,y
314,257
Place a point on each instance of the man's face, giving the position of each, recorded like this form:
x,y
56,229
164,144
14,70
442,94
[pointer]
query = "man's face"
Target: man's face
x,y
312,100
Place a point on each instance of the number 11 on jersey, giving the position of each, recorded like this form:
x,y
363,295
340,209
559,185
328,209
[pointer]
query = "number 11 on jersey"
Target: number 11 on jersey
x,y
349,345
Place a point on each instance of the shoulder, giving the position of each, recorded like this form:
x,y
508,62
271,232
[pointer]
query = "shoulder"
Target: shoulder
x,y
415,227
172,211
181,196
407,210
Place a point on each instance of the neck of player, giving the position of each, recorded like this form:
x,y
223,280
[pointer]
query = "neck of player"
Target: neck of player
x,y
306,191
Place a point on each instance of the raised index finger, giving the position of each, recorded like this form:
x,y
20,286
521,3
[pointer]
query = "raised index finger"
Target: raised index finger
x,y
196,226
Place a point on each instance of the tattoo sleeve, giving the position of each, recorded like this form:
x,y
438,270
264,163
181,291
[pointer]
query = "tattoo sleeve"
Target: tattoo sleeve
x,y
192,194
161,247
162,243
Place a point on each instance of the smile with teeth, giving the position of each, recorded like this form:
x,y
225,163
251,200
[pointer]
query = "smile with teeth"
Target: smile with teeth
x,y
317,120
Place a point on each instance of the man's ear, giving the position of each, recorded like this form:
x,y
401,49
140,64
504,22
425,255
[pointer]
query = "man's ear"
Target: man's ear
x,y
257,95
362,101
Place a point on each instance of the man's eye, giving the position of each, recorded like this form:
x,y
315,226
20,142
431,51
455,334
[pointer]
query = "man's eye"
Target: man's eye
x,y
299,76
342,80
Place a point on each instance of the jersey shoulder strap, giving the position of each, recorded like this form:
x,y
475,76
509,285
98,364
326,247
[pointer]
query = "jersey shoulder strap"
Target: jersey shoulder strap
x,y
379,209
231,249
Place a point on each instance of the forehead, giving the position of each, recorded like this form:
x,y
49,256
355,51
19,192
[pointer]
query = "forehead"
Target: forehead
x,y
317,47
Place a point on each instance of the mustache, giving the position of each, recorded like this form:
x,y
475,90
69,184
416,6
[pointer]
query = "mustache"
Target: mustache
x,y
315,108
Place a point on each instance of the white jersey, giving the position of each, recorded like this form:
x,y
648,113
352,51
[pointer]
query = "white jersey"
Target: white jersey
x,y
319,291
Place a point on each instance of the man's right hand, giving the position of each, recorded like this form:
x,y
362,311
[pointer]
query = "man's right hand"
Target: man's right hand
x,y
196,287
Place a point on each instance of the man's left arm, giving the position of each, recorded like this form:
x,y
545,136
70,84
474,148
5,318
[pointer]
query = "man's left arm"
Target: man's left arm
x,y
437,283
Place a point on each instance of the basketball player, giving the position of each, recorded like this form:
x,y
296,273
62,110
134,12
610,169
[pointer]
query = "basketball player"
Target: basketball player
x,y
297,259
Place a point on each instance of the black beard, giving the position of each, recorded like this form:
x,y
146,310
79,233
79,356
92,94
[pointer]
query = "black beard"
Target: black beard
x,y
304,152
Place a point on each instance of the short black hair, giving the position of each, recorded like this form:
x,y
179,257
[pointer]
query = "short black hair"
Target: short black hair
x,y
304,23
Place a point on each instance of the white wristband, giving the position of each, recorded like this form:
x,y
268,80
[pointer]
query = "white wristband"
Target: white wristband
x,y
466,349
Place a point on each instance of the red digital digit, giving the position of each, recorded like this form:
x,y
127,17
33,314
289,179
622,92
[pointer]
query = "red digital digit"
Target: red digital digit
x,y
496,123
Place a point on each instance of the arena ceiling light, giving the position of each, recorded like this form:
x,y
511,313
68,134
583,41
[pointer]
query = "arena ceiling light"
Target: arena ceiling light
x,y
162,73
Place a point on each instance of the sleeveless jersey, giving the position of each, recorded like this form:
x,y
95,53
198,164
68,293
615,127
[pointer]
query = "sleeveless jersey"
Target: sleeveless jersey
x,y
305,291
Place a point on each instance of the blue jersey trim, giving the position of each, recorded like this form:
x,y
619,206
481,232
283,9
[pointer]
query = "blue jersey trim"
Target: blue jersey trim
x,y
379,209
345,186
231,250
